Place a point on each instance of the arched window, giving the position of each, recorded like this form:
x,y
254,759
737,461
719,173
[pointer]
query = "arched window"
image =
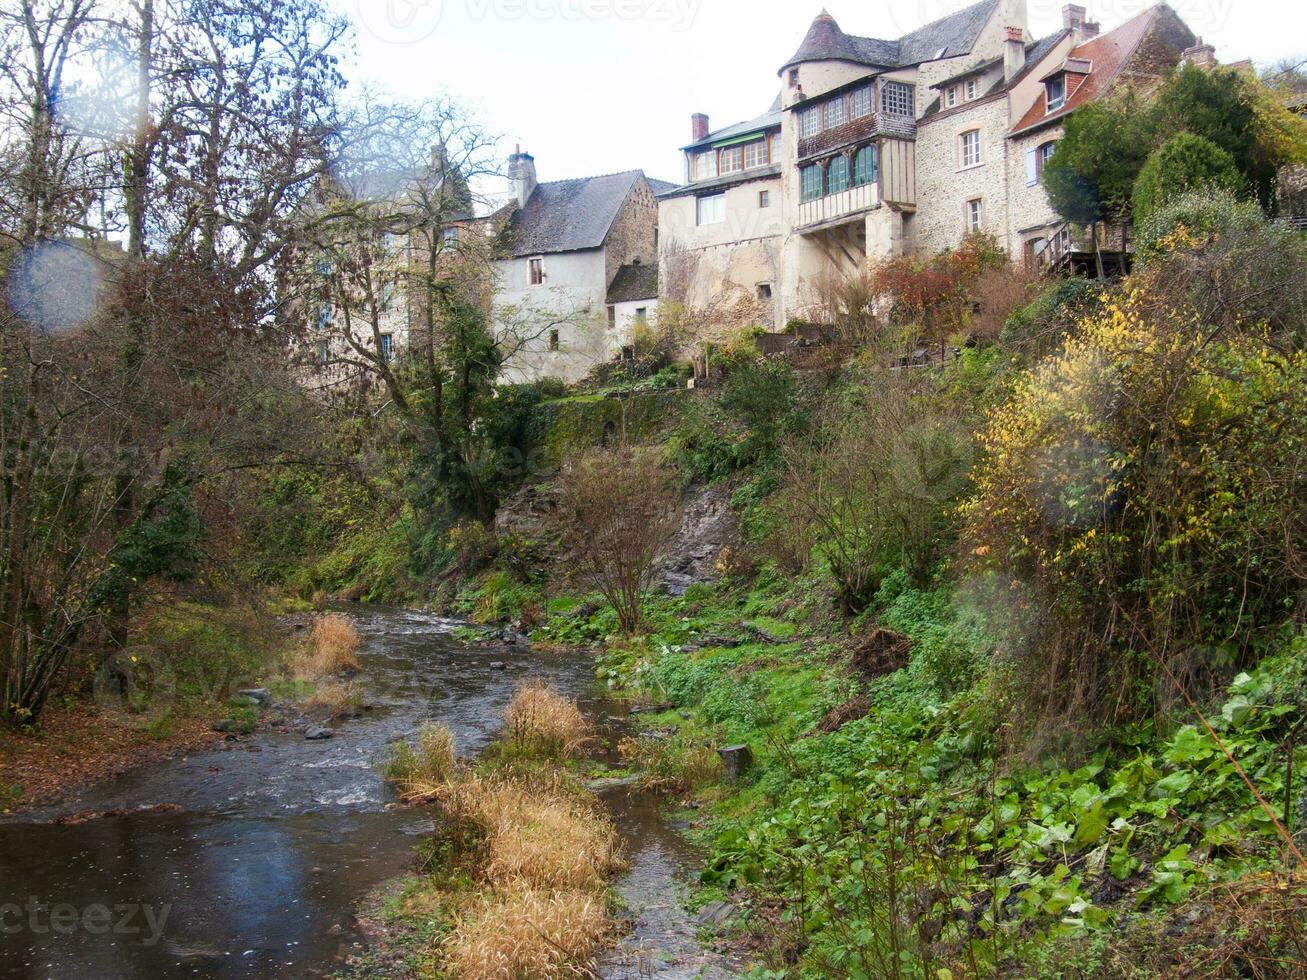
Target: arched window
x,y
864,166
837,174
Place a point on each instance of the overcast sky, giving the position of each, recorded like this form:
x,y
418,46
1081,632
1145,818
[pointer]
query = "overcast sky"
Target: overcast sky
x,y
596,86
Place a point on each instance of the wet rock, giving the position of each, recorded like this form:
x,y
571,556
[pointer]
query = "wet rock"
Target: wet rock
x,y
649,709
315,734
259,695
226,725
714,915
736,759
605,783
498,665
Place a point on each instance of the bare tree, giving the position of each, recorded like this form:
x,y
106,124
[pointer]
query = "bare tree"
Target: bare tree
x,y
618,510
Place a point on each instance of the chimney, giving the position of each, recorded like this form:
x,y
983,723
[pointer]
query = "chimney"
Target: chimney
x,y
1090,29
522,172
1014,52
1073,17
698,127
439,160
1201,54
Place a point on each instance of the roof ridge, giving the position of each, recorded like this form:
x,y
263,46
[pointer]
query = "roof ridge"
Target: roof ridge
x,y
568,180
940,20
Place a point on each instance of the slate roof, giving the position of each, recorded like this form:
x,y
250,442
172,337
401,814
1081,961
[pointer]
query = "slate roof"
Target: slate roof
x,y
634,281
569,215
947,37
1109,53
767,172
1036,51
768,120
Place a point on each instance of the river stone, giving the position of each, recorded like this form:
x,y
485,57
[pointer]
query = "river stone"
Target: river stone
x,y
225,725
259,695
316,734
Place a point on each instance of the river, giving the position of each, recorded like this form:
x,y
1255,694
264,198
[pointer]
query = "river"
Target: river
x,y
275,841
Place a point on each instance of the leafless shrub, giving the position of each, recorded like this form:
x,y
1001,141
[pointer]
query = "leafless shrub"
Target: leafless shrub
x,y
618,513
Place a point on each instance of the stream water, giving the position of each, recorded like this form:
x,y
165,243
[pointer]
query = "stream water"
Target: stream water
x,y
276,840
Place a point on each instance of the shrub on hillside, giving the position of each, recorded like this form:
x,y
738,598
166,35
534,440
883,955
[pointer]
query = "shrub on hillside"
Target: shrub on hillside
x,y
1224,261
1145,484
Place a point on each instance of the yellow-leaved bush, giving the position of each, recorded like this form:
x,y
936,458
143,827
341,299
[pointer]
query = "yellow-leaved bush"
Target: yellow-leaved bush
x,y
1142,489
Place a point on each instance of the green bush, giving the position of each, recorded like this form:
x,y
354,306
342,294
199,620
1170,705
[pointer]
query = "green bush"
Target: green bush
x,y
1183,164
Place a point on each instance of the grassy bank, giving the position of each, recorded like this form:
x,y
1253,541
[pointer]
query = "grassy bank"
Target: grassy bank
x,y
891,828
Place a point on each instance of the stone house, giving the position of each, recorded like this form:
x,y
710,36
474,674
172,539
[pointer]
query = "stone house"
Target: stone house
x,y
876,148
578,269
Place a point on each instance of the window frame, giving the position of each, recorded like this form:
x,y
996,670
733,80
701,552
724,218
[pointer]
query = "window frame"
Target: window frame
x,y
951,97
810,121
759,148
386,351
973,213
862,101
834,119
764,198
972,89
730,160
964,139
837,164
536,270
1060,81
894,94
871,150
702,218
810,189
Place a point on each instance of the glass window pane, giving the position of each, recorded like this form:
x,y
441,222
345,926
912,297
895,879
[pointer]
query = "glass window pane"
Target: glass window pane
x,y
864,166
837,175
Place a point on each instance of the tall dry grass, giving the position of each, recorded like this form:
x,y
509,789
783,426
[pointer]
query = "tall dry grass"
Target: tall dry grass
x,y
422,772
543,723
535,835
333,648
529,933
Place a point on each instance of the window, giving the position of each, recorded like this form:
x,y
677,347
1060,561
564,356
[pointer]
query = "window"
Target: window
x,y
1046,154
809,122
1036,160
898,99
864,166
386,299
764,199
1055,90
794,77
642,313
711,210
837,112
975,215
537,270
951,96
860,103
755,154
764,290
810,178
324,352
732,159
387,347
324,315
837,174
971,89
553,340
449,235
706,165
969,148
775,147
612,317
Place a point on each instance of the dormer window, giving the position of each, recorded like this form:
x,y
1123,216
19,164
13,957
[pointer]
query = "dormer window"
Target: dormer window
x,y
951,96
732,159
971,89
1055,92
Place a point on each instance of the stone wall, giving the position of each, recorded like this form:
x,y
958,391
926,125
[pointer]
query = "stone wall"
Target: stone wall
x,y
632,234
944,185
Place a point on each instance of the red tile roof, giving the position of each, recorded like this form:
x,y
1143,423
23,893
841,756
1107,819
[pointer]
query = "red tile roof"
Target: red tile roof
x,y
1109,53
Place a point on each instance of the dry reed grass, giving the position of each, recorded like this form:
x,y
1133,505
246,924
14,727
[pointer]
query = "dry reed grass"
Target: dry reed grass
x,y
534,836
421,773
529,933
333,648
541,722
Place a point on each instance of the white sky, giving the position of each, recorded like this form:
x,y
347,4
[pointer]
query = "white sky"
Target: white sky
x,y
596,86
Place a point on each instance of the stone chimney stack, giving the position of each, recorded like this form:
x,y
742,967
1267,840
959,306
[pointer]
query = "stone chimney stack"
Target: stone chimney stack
x,y
522,172
1201,54
439,159
698,127
1090,29
1014,52
1073,17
